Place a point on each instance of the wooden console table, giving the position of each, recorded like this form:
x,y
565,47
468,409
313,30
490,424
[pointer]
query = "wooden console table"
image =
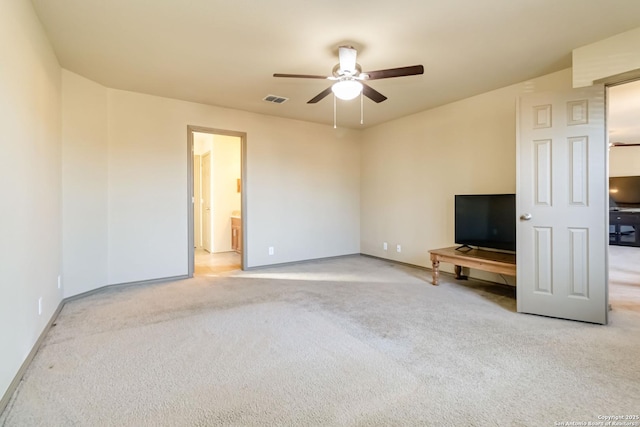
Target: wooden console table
x,y
495,262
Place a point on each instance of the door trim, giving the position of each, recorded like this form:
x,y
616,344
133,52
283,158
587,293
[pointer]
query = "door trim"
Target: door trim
x,y
243,189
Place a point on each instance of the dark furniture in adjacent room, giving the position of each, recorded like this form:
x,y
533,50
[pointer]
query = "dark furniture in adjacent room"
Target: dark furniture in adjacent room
x,y
624,227
624,210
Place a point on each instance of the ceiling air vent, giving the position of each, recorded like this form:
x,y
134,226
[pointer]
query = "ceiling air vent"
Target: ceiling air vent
x,y
275,99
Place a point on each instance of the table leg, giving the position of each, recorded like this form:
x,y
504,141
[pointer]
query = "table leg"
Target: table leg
x,y
458,270
435,265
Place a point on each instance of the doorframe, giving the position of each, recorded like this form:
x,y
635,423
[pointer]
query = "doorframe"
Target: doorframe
x,y
611,81
190,196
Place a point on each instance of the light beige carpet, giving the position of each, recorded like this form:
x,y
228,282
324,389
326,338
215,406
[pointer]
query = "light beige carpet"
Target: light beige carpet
x,y
624,277
353,341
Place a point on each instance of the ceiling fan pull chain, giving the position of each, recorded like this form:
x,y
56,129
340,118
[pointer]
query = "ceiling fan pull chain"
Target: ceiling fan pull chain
x,y
361,109
334,111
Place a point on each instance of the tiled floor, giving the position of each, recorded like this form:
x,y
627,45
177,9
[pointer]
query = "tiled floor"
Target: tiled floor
x,y
208,264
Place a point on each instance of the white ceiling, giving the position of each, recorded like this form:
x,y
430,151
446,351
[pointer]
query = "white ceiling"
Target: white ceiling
x,y
225,52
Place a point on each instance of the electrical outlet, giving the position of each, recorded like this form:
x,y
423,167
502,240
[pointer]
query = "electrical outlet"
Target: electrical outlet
x,y
399,248
59,282
384,246
40,306
271,250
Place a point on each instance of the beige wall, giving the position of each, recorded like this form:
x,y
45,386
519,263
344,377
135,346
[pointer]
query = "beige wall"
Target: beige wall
x,y
624,161
303,183
412,168
147,227
84,184
292,200
609,57
30,184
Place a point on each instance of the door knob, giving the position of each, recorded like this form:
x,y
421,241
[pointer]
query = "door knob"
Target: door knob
x,y
525,217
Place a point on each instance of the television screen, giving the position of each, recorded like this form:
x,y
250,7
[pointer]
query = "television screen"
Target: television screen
x,y
624,191
486,221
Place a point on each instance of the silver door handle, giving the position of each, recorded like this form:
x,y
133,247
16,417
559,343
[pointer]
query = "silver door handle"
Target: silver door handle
x,y
526,217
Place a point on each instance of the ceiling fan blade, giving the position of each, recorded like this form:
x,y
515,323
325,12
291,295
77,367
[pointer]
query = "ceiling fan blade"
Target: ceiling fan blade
x,y
300,76
347,56
320,96
395,72
372,94
622,144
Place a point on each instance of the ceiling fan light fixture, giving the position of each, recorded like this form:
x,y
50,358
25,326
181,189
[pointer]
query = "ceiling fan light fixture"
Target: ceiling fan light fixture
x,y
347,89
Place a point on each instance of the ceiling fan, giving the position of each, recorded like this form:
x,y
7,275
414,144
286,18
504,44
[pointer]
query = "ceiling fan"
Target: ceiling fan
x,y
349,78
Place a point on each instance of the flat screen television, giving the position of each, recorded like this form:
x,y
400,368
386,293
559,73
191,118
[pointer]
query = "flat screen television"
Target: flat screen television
x,y
624,191
486,221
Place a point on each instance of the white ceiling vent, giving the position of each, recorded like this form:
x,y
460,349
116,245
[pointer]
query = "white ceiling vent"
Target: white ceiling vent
x,y
275,99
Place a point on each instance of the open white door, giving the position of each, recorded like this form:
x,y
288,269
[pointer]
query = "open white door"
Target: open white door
x,y
562,201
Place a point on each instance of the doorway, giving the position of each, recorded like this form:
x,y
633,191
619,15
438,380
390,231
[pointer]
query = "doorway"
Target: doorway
x,y
624,200
217,200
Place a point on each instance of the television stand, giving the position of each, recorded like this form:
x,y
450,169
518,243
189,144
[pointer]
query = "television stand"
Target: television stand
x,y
494,262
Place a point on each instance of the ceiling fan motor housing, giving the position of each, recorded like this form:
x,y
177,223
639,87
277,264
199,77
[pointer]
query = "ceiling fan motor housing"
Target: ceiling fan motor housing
x,y
349,73
338,72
